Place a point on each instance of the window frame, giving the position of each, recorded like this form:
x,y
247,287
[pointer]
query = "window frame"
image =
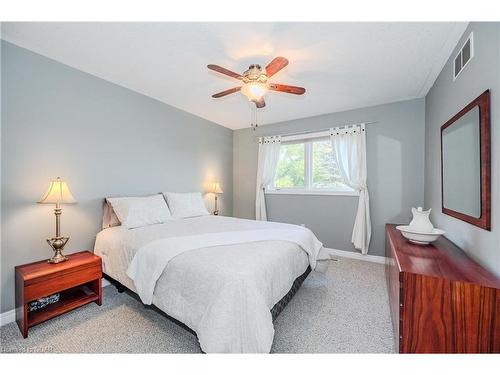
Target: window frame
x,y
308,141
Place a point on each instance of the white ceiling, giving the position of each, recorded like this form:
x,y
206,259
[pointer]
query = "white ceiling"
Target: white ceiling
x,y
342,65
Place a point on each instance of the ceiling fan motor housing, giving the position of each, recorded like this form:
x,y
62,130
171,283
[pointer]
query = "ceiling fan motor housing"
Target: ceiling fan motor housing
x,y
255,73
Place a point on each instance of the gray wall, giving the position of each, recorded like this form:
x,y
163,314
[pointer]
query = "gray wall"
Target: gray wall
x,y
445,99
395,157
104,140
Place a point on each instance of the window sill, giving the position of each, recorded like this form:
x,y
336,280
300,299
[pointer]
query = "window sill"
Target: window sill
x,y
312,192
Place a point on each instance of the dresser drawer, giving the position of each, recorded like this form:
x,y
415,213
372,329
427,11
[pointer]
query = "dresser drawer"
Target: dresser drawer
x,y
58,283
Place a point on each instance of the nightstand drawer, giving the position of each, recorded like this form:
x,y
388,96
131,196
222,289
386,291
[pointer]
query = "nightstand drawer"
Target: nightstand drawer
x,y
56,284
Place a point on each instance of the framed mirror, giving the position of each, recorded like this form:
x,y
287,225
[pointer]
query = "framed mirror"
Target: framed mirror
x,y
466,164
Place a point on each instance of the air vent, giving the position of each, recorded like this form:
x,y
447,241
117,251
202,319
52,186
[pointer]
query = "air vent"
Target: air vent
x,y
463,57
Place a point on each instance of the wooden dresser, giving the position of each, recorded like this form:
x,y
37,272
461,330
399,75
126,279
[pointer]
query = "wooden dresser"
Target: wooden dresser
x,y
441,300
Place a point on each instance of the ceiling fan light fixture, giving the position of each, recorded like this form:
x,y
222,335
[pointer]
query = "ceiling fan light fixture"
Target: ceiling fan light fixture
x,y
254,91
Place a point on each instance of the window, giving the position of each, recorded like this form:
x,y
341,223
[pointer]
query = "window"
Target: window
x,y
290,172
308,167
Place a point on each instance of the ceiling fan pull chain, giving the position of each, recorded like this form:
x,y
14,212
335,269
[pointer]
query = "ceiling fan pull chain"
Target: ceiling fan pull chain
x,y
251,117
254,113
253,122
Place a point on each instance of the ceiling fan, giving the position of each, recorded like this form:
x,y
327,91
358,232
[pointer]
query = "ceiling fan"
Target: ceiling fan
x,y
255,81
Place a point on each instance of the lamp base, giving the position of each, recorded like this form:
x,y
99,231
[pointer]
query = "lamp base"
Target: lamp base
x,y
57,244
58,258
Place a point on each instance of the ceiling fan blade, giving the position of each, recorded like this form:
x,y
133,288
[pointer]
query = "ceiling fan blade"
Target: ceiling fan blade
x,y
275,66
287,88
260,103
226,92
225,71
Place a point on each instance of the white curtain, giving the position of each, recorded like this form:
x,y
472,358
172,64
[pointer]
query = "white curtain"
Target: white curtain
x,y
349,149
269,151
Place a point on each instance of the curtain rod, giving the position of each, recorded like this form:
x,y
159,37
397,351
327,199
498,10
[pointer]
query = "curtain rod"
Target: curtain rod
x,y
316,130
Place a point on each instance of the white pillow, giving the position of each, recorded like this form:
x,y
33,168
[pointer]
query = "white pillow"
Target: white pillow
x,y
184,205
135,212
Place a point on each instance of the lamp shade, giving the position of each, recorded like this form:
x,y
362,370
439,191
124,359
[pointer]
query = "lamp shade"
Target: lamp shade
x,y
58,192
254,90
216,189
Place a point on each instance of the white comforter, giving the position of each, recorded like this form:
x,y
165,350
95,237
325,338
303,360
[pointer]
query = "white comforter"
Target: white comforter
x,y
218,275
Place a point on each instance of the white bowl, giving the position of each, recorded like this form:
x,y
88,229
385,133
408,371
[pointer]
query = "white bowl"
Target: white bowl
x,y
420,238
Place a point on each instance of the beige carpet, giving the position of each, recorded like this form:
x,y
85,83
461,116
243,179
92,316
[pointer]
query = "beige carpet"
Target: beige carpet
x,y
342,307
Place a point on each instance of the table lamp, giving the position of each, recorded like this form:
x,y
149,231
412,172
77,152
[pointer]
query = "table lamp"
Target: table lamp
x,y
216,189
57,193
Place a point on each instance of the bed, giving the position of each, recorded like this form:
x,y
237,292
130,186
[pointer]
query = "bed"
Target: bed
x,y
227,285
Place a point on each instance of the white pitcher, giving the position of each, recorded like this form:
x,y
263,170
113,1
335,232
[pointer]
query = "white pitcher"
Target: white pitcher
x,y
420,221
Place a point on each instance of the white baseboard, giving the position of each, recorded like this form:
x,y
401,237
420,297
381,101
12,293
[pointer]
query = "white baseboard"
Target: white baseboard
x,y
10,316
352,255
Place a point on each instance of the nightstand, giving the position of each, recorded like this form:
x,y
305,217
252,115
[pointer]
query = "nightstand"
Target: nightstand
x,y
77,280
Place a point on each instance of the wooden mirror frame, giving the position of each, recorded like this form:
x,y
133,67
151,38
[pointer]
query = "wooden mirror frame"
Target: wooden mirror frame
x,y
484,221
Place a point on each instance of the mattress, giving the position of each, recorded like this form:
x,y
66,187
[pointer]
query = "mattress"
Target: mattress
x,y
181,291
